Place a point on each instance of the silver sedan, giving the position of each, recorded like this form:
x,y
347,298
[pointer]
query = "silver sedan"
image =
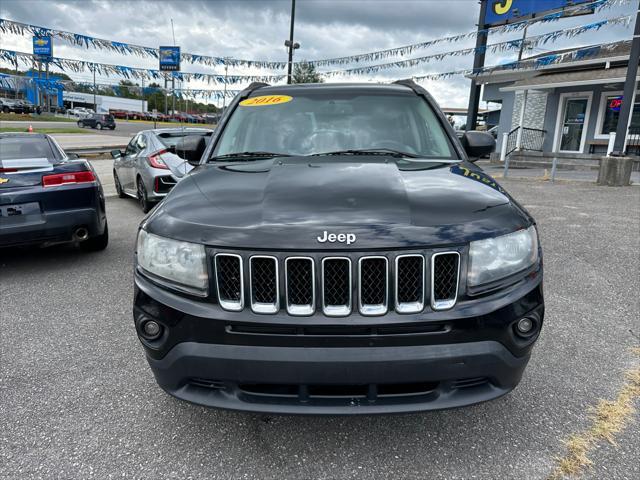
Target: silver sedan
x,y
148,168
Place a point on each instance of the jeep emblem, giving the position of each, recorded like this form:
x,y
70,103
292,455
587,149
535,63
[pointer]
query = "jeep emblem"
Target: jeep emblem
x,y
347,238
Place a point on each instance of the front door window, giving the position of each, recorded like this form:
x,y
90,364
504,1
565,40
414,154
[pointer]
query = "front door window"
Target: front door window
x,y
575,110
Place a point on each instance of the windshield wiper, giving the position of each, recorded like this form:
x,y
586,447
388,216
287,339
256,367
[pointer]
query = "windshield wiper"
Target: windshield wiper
x,y
247,155
370,151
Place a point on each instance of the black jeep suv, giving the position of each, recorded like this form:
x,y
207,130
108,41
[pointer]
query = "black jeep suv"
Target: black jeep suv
x,y
336,251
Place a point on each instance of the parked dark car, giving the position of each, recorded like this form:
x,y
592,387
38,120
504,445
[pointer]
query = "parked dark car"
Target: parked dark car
x,y
337,251
99,121
47,196
10,105
26,105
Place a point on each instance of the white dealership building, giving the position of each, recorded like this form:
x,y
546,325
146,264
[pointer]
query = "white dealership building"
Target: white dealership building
x,y
103,103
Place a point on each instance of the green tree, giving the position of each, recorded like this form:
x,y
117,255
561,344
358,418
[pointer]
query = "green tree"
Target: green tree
x,y
305,72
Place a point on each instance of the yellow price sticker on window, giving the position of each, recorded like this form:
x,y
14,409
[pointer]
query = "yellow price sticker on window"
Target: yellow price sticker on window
x,y
266,100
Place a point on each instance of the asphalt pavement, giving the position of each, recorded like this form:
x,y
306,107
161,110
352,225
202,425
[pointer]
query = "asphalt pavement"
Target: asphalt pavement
x,y
78,401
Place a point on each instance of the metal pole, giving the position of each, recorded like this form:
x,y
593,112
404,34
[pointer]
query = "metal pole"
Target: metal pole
x,y
478,63
173,94
521,121
17,78
39,80
629,89
142,95
95,103
522,42
224,95
46,88
290,63
503,154
166,111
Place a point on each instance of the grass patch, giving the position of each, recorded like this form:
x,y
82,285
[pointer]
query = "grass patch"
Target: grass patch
x,y
44,130
19,117
608,418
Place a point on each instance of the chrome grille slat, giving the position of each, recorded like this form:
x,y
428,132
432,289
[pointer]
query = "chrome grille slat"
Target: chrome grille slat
x,y
229,281
409,283
336,286
373,285
382,283
445,275
300,285
264,284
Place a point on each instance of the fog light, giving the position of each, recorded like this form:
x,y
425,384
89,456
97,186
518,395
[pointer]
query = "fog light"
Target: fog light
x,y
525,325
151,329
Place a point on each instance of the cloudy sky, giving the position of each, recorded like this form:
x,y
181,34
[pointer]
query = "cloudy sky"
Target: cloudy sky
x,y
256,29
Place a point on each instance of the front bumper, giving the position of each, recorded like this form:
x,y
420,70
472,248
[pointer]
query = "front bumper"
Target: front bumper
x,y
406,363
338,380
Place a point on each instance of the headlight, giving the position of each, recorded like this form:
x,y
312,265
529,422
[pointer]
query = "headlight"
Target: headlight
x,y
495,258
180,262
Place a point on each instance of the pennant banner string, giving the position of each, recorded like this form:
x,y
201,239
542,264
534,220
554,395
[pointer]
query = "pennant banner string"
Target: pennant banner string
x,y
533,63
530,42
132,72
597,5
19,28
11,82
140,73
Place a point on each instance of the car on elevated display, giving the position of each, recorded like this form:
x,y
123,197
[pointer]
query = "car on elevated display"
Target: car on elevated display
x,y
337,251
155,160
47,196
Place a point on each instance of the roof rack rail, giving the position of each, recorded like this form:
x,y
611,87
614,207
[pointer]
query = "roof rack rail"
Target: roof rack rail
x,y
255,85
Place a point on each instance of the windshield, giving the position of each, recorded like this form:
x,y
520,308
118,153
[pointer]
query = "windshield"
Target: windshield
x,y
23,147
313,123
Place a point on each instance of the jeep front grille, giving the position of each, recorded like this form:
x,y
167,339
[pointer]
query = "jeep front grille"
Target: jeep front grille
x,y
445,272
300,285
373,285
336,286
229,279
265,295
409,283
369,284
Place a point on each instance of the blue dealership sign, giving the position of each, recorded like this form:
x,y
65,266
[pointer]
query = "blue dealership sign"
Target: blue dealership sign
x,y
42,46
505,11
169,59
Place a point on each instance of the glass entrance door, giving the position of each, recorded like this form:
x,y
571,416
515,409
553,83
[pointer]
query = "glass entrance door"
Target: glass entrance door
x,y
573,124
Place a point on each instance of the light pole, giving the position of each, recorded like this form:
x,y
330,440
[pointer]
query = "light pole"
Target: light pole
x,y
95,104
290,43
629,87
224,95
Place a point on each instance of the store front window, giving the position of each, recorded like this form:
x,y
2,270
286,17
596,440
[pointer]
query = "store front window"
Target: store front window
x,y
611,112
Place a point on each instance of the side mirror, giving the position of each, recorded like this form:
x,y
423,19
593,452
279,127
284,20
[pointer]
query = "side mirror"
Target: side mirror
x,y
478,144
73,156
116,153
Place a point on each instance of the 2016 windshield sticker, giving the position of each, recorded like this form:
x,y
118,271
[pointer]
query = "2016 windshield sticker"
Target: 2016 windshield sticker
x,y
266,100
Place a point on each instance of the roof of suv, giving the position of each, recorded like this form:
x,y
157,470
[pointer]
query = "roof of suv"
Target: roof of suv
x,y
333,88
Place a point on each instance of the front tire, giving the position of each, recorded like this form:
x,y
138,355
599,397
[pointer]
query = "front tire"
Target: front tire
x,y
80,124
96,244
99,126
143,198
119,189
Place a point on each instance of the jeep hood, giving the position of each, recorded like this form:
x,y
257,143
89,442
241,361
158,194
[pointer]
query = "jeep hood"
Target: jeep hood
x,y
287,203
